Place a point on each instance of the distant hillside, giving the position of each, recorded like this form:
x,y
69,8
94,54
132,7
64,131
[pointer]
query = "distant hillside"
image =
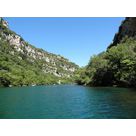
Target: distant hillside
x,y
116,66
23,64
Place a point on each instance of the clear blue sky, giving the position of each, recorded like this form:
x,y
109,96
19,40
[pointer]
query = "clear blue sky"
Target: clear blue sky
x,y
74,38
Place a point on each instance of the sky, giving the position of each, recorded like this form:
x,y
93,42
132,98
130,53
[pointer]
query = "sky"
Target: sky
x,y
74,38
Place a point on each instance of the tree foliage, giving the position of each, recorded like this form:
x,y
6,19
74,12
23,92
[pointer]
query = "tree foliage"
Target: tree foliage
x,y
116,66
18,72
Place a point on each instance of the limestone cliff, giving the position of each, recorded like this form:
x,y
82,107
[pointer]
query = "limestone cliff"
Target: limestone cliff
x,y
48,63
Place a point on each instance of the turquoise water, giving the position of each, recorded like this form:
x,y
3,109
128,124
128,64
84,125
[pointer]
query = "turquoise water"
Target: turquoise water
x,y
67,101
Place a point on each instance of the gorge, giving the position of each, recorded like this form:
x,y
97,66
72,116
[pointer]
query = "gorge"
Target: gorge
x,y
36,84
23,64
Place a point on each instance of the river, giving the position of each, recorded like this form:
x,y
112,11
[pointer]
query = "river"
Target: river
x,y
67,102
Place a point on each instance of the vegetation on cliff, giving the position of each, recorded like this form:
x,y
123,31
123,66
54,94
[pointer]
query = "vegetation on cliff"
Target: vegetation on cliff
x,y
115,67
23,64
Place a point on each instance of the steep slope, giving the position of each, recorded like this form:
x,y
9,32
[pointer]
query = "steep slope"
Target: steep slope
x,y
23,64
116,66
127,29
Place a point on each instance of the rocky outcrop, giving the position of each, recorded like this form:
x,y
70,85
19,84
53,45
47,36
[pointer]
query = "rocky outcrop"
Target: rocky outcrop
x,y
3,22
127,29
49,63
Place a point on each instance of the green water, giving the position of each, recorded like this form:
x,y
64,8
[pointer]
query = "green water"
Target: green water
x,y
67,101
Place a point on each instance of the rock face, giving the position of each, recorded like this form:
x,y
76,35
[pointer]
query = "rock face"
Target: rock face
x,y
127,28
4,23
49,63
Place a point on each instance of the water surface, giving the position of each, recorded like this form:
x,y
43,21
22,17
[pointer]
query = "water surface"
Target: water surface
x,y
67,101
